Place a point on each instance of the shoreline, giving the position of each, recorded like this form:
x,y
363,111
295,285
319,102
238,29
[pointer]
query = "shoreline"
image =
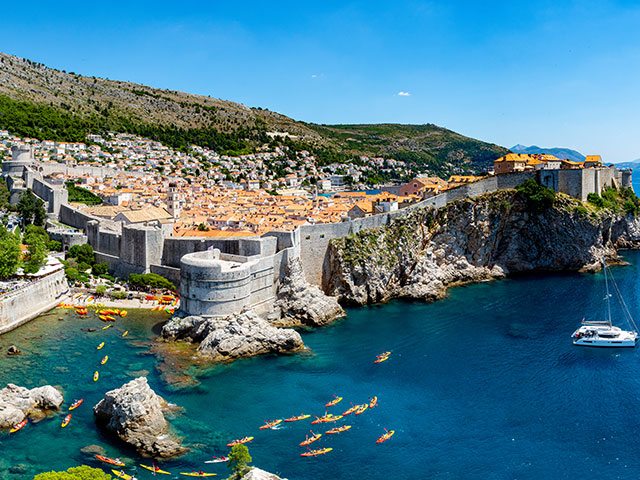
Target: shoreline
x,y
125,303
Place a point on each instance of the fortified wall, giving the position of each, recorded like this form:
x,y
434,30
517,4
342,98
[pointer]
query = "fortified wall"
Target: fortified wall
x,y
22,305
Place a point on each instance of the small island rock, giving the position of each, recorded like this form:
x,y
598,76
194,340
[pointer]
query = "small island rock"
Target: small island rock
x,y
18,402
135,413
258,474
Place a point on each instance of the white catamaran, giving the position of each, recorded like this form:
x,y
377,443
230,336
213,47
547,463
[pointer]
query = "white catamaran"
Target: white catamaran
x,y
603,333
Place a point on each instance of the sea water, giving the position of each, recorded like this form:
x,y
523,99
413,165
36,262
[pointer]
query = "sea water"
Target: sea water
x,y
483,384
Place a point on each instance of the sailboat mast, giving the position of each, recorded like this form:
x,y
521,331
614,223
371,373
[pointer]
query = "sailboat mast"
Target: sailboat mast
x,y
606,284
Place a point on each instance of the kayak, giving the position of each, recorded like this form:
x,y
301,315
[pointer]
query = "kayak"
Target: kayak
x,y
362,409
66,421
198,474
295,419
123,475
76,404
110,318
239,442
102,317
104,360
100,346
351,410
373,402
311,439
96,376
155,469
313,453
327,418
218,460
270,424
333,402
126,332
386,436
108,326
111,461
343,428
384,354
381,359
123,313
18,426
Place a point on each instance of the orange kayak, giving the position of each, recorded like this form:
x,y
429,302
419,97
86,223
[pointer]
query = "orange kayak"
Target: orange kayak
x,y
239,442
66,421
270,424
362,409
373,402
333,402
110,461
19,426
296,419
76,404
311,439
352,409
313,453
386,436
343,428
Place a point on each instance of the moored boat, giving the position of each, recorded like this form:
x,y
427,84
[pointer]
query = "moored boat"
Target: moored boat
x,y
126,332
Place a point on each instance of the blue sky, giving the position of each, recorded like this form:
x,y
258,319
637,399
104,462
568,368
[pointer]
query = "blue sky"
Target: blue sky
x,y
545,73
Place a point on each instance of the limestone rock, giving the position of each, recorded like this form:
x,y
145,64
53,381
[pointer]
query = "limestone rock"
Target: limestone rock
x,y
420,255
300,303
235,336
257,474
18,402
135,413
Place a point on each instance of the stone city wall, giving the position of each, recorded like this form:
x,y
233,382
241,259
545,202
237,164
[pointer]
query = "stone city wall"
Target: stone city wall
x,y
22,305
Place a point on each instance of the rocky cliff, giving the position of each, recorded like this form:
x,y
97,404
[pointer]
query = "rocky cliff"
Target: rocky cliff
x,y
18,402
135,413
423,253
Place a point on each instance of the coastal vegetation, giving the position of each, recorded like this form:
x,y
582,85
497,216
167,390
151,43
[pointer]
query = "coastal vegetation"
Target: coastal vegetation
x,y
239,458
10,253
623,200
538,197
83,472
149,280
30,208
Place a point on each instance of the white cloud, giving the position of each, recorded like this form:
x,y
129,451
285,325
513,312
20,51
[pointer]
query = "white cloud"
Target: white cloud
x,y
314,76
403,94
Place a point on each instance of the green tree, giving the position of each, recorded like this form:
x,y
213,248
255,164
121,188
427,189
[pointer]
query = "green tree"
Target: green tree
x,y
75,473
83,254
101,290
9,253
37,254
238,459
55,246
71,273
151,280
100,268
31,209
538,197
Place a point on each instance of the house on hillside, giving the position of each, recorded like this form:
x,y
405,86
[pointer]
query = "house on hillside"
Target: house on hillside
x,y
147,214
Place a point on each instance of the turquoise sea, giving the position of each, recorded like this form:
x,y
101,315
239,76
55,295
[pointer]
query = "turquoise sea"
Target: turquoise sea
x,y
484,384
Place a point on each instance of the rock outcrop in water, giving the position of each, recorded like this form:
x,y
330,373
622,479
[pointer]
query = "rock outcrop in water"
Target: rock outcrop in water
x,y
238,335
420,255
18,402
298,303
257,474
135,413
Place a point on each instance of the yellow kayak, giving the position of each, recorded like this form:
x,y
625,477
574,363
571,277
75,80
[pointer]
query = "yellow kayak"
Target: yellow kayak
x,y
104,360
126,332
123,475
96,375
100,346
108,326
198,474
155,469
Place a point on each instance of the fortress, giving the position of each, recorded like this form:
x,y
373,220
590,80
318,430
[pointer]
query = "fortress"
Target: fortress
x,y
223,276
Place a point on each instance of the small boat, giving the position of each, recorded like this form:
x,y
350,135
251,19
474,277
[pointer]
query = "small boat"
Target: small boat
x,y
239,442
126,332
198,474
373,402
270,424
19,426
218,460
110,318
155,469
96,376
381,359
297,419
362,409
310,439
333,402
104,360
76,404
111,461
602,333
123,313
123,475
102,317
384,354
100,346
351,410
66,421
313,453
343,428
107,327
386,436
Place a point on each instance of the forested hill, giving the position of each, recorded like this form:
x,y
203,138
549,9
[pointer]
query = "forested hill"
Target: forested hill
x,y
42,102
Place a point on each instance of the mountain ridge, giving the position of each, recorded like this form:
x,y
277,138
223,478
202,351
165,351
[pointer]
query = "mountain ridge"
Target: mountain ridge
x,y
30,90
560,152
